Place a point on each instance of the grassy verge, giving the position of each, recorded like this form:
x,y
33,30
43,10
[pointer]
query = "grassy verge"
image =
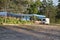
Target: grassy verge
x,y
13,21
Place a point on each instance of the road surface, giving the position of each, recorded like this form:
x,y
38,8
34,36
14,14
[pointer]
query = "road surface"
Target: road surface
x,y
19,33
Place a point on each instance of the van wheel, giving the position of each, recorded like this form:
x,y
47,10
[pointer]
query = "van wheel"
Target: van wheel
x,y
43,23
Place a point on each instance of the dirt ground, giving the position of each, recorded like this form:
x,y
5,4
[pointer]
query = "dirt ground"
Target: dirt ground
x,y
44,32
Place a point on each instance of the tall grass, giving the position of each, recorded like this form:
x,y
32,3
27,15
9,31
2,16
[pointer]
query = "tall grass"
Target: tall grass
x,y
11,20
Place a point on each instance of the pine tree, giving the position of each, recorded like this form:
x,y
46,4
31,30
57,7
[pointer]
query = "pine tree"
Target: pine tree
x,y
43,7
49,10
58,11
2,3
59,4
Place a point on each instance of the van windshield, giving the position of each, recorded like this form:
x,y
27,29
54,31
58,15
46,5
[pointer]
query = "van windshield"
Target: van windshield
x,y
44,20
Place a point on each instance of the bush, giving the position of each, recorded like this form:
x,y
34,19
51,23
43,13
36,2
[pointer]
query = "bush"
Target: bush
x,y
14,21
58,21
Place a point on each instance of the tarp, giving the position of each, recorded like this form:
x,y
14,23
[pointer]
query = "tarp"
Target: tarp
x,y
3,13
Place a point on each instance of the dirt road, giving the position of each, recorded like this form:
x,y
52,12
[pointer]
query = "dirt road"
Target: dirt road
x,y
19,33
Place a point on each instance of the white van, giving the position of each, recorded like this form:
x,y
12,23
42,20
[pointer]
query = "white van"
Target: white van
x,y
45,21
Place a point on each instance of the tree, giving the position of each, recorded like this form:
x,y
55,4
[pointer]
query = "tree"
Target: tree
x,y
58,11
49,10
33,7
38,3
16,6
43,7
13,5
2,4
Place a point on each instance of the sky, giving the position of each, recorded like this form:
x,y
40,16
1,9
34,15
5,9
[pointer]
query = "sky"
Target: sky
x,y
55,2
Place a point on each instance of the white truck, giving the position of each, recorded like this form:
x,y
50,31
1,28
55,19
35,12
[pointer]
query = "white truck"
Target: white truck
x,y
45,21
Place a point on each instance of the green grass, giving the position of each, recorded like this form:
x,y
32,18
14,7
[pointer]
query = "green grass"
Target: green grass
x,y
13,21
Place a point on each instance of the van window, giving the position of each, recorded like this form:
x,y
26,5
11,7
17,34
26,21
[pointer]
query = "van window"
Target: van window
x,y
43,19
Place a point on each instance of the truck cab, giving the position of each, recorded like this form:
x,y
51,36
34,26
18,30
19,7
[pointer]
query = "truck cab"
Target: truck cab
x,y
45,21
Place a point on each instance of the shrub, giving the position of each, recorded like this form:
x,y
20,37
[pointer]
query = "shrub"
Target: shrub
x,y
14,21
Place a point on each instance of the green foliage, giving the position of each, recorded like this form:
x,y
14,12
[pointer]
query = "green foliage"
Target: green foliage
x,y
58,11
49,10
33,7
13,21
35,10
38,3
30,7
2,4
57,21
20,6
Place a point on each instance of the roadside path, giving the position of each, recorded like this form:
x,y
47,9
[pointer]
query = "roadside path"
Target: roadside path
x,y
19,33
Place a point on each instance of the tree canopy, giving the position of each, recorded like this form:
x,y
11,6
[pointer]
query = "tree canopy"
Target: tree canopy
x,y
58,10
31,7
